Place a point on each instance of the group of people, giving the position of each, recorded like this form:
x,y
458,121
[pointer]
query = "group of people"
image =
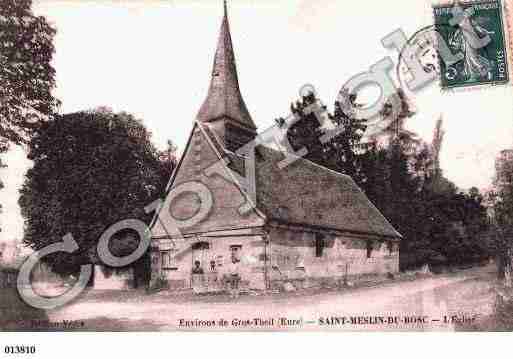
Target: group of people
x,y
233,275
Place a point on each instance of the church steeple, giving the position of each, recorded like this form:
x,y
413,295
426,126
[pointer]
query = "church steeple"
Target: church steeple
x,y
224,101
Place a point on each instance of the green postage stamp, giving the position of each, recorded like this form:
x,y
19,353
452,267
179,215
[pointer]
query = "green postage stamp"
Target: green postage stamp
x,y
475,34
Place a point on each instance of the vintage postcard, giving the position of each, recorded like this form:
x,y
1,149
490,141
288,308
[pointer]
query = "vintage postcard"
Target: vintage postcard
x,y
285,165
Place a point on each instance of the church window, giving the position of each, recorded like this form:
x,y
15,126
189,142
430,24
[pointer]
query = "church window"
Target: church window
x,y
168,262
263,257
219,261
319,245
390,247
369,249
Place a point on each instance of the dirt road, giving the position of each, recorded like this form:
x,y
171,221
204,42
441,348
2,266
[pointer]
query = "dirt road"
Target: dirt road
x,y
443,302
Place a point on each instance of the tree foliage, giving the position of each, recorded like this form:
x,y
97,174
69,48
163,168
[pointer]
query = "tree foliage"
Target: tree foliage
x,y
341,153
91,170
3,149
401,175
27,77
503,216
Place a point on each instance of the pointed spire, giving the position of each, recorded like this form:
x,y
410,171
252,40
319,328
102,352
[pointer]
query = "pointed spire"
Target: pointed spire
x,y
224,99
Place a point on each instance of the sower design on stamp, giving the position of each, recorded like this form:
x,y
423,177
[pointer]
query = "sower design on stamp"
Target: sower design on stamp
x,y
476,31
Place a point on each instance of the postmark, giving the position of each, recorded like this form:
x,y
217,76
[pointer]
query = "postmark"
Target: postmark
x,y
422,46
475,32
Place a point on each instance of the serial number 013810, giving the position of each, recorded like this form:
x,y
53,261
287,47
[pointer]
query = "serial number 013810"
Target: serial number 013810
x,y
20,349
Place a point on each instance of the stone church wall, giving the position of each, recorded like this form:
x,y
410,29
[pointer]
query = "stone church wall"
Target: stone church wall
x,y
291,257
294,257
176,269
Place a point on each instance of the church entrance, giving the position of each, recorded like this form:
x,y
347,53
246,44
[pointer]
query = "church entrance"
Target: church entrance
x,y
200,274
200,257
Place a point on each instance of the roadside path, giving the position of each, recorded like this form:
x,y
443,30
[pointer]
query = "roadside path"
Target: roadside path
x,y
413,305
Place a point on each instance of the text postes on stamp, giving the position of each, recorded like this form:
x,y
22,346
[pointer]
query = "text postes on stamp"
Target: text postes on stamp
x,y
474,31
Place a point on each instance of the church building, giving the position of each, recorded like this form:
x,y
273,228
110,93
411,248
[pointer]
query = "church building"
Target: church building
x,y
309,225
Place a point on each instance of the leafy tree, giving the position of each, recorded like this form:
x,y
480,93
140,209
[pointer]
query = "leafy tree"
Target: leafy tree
x,y
401,175
438,138
393,188
91,170
26,74
306,131
343,152
503,208
3,149
27,77
439,225
396,111
346,149
168,156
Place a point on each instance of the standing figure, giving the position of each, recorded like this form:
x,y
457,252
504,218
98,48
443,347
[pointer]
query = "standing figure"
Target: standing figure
x,y
234,278
475,66
197,268
198,279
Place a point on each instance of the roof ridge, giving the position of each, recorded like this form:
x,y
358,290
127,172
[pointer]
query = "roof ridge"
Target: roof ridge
x,y
290,154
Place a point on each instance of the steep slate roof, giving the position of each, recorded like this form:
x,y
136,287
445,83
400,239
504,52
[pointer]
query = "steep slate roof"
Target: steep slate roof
x,y
305,193
224,98
308,194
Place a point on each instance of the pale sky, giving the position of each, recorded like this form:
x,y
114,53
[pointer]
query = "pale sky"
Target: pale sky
x,y
153,59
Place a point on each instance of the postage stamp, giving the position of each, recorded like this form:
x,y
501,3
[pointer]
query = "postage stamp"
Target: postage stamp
x,y
475,32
